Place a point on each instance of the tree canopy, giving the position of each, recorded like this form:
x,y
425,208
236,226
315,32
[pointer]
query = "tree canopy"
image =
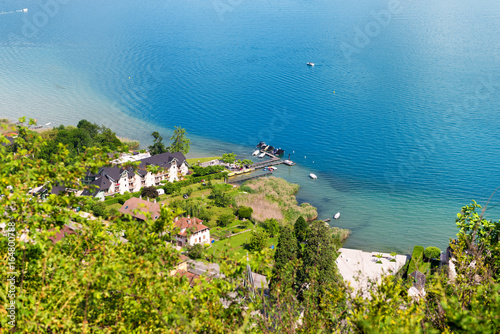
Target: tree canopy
x,y
78,139
158,147
180,143
229,158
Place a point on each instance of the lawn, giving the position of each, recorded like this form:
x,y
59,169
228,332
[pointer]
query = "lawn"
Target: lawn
x,y
200,160
235,244
218,232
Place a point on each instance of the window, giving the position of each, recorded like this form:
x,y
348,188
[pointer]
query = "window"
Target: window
x,y
126,207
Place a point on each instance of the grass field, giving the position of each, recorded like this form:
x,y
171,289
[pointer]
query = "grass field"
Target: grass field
x,y
235,245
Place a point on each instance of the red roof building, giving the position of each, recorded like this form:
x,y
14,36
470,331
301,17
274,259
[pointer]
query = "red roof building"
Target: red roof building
x,y
192,231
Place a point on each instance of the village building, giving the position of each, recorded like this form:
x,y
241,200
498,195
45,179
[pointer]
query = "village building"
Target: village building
x,y
119,180
139,209
192,232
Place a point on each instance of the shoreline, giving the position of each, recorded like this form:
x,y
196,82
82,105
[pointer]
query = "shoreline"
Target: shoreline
x,y
368,231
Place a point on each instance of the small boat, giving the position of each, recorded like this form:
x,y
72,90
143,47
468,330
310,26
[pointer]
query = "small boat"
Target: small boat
x,y
310,64
255,153
289,162
337,215
262,155
313,176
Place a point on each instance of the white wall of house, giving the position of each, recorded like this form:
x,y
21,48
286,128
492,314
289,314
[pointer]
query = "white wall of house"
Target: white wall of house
x,y
135,183
200,237
184,169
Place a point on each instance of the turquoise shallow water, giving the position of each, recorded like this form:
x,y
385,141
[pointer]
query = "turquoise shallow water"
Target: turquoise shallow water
x,y
398,118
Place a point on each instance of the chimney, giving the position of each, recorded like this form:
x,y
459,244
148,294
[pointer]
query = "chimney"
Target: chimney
x,y
140,197
176,218
154,201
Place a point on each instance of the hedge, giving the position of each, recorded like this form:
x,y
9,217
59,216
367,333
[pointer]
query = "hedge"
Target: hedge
x,y
111,201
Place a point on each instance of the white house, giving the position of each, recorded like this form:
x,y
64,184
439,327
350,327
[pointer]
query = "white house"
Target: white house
x,y
192,232
113,180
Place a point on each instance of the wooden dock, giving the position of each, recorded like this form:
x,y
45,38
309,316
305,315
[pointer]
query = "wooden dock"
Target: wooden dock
x,y
249,178
274,161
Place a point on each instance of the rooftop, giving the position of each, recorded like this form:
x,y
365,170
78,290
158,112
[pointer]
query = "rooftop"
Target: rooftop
x,y
143,206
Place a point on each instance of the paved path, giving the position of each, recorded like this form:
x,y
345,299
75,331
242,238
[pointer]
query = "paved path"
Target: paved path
x,y
358,267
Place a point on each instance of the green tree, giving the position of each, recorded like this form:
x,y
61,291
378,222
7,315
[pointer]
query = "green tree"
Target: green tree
x,y
91,128
258,240
158,147
195,252
229,158
149,192
224,219
221,199
179,141
319,253
99,209
286,251
245,212
300,229
272,227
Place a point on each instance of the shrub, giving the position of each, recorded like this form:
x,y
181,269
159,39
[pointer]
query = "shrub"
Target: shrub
x,y
245,212
150,192
258,241
224,219
195,252
111,200
99,209
247,189
432,253
236,230
272,227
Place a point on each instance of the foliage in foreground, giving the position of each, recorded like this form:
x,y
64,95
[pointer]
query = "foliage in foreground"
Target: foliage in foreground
x,y
94,281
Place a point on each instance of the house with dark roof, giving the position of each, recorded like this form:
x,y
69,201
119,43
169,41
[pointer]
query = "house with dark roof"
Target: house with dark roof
x,y
113,180
192,231
174,163
139,208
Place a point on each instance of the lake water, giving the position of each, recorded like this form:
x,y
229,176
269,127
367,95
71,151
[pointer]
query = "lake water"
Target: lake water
x,y
399,117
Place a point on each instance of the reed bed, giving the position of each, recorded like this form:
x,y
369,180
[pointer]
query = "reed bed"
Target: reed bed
x,y
275,194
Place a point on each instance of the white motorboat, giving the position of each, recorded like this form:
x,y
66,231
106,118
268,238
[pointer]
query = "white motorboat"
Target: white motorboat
x,y
262,155
289,162
310,64
313,176
337,215
255,153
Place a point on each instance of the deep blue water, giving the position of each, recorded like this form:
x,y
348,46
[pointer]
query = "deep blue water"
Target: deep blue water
x,y
399,117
